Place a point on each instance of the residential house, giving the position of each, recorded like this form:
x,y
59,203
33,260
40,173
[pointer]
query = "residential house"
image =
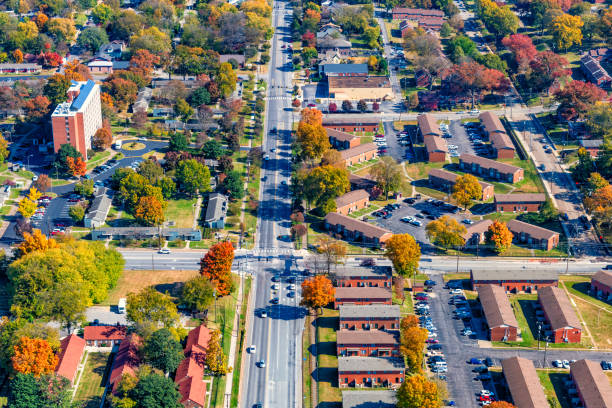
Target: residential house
x,y
368,88
352,201
435,149
104,336
369,399
362,296
532,235
446,180
362,276
126,360
490,168
354,230
595,73
98,210
190,372
330,30
113,50
24,68
352,124
496,132
331,57
359,154
592,384
514,281
527,202
378,317
216,211
523,382
501,322
428,126
600,54
342,140
475,233
100,65
601,284
429,24
361,372
330,70
565,327
361,183
69,358
338,45
141,233
5,193
366,343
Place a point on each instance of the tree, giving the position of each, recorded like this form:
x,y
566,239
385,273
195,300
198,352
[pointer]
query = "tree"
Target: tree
x,y
333,250
62,28
148,309
417,392
84,188
151,39
197,294
27,207
4,152
317,292
567,31
46,391
102,139
154,390
347,106
123,91
167,186
182,109
311,137
522,47
362,105
92,38
398,287
56,87
332,107
226,79
404,253
466,189
163,351
576,98
43,183
102,13
472,78
446,232
178,142
234,184
324,183
388,174
333,158
215,358
501,404
35,241
151,170
200,96
24,392
149,211
500,236
65,151
37,107
600,204
77,213
545,68
192,176
76,167
18,56
412,341
33,356
594,183
216,266
212,149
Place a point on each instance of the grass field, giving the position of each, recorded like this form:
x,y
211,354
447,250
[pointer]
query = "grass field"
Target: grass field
x,y
181,212
329,392
93,380
553,383
420,170
133,281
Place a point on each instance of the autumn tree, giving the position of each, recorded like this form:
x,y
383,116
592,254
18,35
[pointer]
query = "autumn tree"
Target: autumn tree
x,y
192,176
332,250
545,68
412,342
567,31
148,310
197,294
576,98
417,392
33,356
311,136
26,207
43,183
398,287
333,157
594,183
388,174
163,351
226,79
37,107
56,87
215,358
4,152
466,189
317,292
325,183
102,139
77,213
149,211
500,236
216,266
76,167
472,78
404,253
501,404
522,48
35,241
599,204
446,232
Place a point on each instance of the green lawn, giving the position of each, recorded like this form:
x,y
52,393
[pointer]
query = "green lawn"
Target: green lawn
x,y
181,212
531,183
553,382
327,323
523,306
93,380
364,211
98,159
420,170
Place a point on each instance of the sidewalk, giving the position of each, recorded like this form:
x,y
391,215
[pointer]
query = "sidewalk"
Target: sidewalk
x,y
232,353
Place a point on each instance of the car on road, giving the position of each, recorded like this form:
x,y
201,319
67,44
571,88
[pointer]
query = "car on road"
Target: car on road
x,y
434,347
267,157
467,221
430,282
487,392
488,362
432,341
164,251
258,405
252,349
606,365
261,363
467,332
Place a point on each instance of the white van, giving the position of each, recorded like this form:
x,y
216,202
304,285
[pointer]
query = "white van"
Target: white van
x,y
117,145
121,305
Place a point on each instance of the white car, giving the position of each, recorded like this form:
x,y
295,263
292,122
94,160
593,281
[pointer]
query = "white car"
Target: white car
x,y
557,363
252,349
487,393
261,363
164,251
291,287
263,314
565,364
456,291
275,286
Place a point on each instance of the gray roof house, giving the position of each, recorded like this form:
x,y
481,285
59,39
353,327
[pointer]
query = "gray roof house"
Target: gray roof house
x,y
343,69
141,233
96,215
216,210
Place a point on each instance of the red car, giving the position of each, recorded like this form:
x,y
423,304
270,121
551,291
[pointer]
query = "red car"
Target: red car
x,y
421,297
432,341
311,105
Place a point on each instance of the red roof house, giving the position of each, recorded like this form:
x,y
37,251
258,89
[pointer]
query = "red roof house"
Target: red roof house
x,y
193,392
127,359
190,373
104,336
70,356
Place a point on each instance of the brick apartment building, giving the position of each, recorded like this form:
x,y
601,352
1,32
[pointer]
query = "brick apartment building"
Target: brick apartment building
x,y
362,276
435,149
190,372
445,180
76,121
428,126
362,296
592,384
601,285
519,202
69,358
475,233
495,131
515,281
366,343
359,154
498,313
368,88
523,382
351,125
342,140
564,324
404,13
354,230
490,168
532,235
352,201
373,317
361,372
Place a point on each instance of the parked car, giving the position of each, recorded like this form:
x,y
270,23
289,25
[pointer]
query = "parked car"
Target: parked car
x,y
475,360
557,363
480,369
483,377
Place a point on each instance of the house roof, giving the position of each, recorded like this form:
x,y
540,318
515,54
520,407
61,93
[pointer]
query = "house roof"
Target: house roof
x,y
361,182
604,277
239,58
352,224
357,150
335,120
364,271
489,164
216,207
344,68
328,42
593,385
479,227
100,62
501,141
366,292
558,309
193,389
491,123
20,66
435,144
496,306
99,208
452,177
360,82
200,336
191,366
70,356
594,68
370,364
135,231
500,275
127,358
520,198
84,92
369,311
365,337
418,11
104,333
339,135
518,227
524,383
428,125
351,197
369,399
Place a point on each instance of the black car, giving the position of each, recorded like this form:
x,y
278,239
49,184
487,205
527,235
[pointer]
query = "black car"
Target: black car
x,y
480,369
434,347
431,217
410,200
488,362
419,215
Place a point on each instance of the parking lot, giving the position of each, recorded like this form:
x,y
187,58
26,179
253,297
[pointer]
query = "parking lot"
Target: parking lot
x,y
398,144
457,136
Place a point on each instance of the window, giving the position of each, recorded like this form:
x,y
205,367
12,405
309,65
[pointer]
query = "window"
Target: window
x,y
376,325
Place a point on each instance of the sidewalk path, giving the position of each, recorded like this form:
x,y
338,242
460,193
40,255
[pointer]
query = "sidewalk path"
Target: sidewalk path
x,y
232,353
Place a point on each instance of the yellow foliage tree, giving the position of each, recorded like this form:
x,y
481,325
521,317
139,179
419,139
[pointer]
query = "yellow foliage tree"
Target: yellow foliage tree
x,y
33,356
412,342
404,252
418,392
215,358
466,189
500,236
567,31
446,232
34,194
36,241
26,207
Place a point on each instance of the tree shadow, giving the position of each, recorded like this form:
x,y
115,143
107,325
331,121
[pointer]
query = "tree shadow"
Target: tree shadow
x,y
326,375
173,288
558,382
329,322
330,404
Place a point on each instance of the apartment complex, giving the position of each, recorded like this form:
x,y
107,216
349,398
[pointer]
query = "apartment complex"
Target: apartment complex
x,y
515,281
342,140
565,327
446,180
369,88
362,296
498,313
355,230
524,383
532,235
367,343
592,384
352,201
351,125
495,131
378,317
359,154
359,372
523,202
362,276
601,284
490,168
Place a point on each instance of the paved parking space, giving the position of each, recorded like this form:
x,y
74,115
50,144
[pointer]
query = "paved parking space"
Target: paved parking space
x,y
394,148
459,138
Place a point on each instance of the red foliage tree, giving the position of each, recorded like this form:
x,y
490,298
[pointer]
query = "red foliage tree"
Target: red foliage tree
x,y
50,59
472,78
576,98
522,47
77,167
37,107
309,38
545,68
333,107
216,266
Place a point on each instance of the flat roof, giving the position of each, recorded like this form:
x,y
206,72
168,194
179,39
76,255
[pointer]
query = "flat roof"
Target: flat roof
x,y
365,337
369,364
369,311
369,399
524,383
496,306
367,82
364,271
592,384
498,275
558,309
372,292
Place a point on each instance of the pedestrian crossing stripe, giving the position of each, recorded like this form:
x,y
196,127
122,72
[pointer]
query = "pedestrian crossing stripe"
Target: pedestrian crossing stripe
x,y
278,98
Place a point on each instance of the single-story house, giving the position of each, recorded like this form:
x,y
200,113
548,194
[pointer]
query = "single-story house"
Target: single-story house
x,y
592,384
532,235
351,125
98,211
523,382
529,202
72,348
104,336
216,211
601,284
24,68
141,233
126,360
369,88
354,230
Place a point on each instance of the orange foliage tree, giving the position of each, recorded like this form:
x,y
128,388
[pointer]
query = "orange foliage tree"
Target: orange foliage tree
x,y
216,266
36,241
33,356
77,167
102,139
317,292
18,55
149,210
499,235
418,392
501,404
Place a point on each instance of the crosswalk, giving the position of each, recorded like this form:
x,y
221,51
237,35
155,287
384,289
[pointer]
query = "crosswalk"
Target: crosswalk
x,y
278,98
